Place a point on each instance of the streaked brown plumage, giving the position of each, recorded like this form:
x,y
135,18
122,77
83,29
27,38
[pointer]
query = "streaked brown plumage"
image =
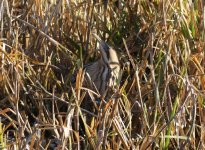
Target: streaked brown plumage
x,y
102,75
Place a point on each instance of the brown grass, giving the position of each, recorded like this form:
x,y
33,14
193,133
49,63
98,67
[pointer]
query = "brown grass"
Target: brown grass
x,y
160,102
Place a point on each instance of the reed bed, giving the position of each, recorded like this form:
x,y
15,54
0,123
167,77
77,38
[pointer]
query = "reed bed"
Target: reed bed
x,y
160,101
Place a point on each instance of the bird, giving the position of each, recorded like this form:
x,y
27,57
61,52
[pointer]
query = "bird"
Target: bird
x,y
102,75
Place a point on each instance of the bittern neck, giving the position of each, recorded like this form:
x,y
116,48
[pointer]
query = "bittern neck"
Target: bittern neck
x,y
109,56
113,56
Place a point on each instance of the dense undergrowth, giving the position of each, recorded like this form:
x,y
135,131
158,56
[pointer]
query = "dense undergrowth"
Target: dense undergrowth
x,y
160,45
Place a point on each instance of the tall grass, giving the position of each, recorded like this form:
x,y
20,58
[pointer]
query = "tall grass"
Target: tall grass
x,y
160,101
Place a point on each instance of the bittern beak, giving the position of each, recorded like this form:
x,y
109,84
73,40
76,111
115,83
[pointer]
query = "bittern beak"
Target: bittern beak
x,y
103,46
104,49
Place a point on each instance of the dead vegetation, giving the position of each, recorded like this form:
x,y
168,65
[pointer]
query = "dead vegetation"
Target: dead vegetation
x,y
161,93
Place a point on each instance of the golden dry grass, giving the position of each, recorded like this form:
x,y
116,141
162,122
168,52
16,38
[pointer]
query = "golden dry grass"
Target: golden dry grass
x,y
160,102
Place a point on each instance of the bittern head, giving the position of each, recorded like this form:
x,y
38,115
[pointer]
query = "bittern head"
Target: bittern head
x,y
108,53
104,49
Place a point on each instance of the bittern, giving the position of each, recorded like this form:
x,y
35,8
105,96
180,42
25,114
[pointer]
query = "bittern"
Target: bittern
x,y
102,75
